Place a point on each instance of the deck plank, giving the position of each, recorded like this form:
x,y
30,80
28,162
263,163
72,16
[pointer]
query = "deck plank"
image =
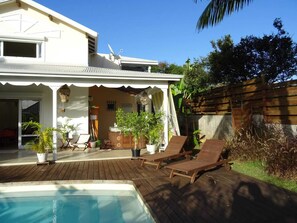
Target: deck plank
x,y
101,170
216,196
96,170
90,171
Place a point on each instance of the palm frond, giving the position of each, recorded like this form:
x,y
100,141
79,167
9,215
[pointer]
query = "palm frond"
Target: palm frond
x,y
216,10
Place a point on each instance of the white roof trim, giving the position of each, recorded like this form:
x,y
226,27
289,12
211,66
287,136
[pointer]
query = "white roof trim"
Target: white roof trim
x,y
131,60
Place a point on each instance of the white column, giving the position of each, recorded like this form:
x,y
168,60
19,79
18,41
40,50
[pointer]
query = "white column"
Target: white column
x,y
54,119
165,110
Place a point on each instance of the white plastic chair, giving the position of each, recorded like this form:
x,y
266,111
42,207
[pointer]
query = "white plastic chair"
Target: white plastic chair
x,y
82,141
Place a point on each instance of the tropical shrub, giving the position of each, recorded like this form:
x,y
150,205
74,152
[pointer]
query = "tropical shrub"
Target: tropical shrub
x,y
268,144
281,157
44,140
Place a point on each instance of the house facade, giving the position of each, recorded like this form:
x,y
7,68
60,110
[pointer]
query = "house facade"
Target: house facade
x,y
44,54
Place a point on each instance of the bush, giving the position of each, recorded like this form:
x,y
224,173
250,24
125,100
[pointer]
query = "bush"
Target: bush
x,y
268,144
246,144
281,157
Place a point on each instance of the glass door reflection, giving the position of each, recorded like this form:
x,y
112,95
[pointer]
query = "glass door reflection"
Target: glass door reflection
x,y
29,112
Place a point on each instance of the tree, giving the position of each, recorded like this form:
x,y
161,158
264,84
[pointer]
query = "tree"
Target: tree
x,y
196,78
273,57
216,10
167,68
221,61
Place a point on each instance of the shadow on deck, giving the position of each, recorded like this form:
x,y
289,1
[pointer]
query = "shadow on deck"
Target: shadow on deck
x,y
216,196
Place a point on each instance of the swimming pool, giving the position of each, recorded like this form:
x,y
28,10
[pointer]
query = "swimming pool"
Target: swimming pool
x,y
72,201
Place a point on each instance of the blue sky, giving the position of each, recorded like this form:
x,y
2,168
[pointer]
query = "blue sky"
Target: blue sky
x,y
165,30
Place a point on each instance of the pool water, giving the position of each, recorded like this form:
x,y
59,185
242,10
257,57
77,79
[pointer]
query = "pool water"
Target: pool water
x,y
71,205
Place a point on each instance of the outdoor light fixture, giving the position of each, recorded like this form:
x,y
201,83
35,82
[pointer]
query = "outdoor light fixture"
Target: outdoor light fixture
x,y
64,93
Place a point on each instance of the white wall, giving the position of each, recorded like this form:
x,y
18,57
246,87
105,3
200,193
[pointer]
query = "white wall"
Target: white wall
x,y
76,110
215,126
220,126
102,61
63,45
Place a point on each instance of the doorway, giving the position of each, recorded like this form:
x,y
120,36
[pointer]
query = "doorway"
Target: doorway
x,y
14,112
8,124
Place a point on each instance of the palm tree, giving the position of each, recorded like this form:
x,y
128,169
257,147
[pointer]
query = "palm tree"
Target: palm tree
x,y
216,10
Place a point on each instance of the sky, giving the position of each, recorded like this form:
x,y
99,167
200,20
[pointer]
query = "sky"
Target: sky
x,y
165,30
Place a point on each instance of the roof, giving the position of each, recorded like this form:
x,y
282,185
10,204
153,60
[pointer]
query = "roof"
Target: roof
x,y
132,60
53,14
41,73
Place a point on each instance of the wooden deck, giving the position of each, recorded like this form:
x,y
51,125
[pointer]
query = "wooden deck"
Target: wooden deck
x,y
216,196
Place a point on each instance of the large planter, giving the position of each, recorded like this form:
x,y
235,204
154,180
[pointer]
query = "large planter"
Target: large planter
x,y
135,153
41,157
151,149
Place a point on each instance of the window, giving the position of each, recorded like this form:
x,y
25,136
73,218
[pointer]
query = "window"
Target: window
x,y
111,105
20,49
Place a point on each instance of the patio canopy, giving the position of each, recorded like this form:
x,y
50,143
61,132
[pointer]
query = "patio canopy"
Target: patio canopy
x,y
55,76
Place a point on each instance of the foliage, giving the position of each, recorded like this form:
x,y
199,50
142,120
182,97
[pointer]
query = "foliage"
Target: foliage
x,y
44,140
272,57
98,143
120,118
131,122
153,127
197,138
216,10
281,157
196,78
167,68
269,144
67,127
221,61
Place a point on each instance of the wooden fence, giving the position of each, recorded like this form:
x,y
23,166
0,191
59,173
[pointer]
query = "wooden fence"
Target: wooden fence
x,y
276,102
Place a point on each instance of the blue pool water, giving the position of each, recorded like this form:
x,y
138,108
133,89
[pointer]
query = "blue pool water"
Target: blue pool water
x,y
71,205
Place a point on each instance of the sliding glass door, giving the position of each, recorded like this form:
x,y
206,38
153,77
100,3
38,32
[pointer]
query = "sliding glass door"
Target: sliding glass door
x,y
29,111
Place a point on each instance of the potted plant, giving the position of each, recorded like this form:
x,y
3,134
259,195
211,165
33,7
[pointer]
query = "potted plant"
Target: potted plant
x,y
67,131
153,130
132,123
98,143
43,143
67,128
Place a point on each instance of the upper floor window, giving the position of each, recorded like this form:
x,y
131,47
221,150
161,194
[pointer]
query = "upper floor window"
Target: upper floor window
x,y
21,46
20,49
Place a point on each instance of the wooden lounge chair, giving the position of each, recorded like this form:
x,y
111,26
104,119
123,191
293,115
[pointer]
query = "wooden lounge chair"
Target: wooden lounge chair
x,y
208,158
173,150
82,142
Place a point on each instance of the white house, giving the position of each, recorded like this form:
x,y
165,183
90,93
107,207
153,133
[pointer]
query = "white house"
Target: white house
x,y
42,51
